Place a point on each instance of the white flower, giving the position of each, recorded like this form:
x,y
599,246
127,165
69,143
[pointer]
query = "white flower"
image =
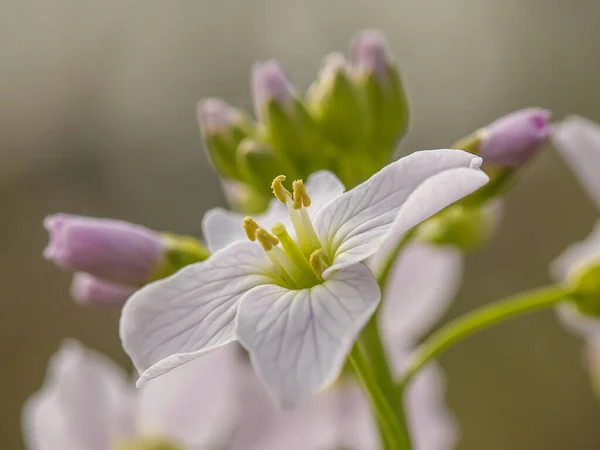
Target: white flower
x,y
578,141
297,308
88,403
421,285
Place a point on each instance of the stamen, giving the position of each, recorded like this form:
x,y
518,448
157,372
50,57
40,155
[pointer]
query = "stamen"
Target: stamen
x,y
267,240
280,192
318,263
250,227
303,274
301,197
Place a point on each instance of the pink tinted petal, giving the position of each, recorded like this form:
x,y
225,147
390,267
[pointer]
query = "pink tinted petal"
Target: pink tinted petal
x,y
110,249
84,404
423,282
87,289
196,404
577,254
578,141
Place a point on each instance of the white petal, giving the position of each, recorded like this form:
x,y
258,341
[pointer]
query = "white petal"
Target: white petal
x,y
432,425
264,426
578,141
353,226
580,324
422,284
298,340
85,403
577,255
195,404
172,321
222,227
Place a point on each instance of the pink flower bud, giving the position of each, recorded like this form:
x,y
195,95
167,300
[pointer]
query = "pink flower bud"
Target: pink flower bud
x,y
269,82
86,289
370,55
216,116
113,250
511,140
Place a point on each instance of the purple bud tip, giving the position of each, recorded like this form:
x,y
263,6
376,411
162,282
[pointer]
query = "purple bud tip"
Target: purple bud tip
x,y
269,82
86,289
511,140
216,116
370,54
110,249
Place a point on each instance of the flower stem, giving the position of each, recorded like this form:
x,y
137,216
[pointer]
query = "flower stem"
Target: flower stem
x,y
394,434
480,319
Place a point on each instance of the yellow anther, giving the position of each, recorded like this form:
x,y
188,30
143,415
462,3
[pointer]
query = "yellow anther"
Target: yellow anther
x,y
301,197
250,227
280,192
266,239
318,263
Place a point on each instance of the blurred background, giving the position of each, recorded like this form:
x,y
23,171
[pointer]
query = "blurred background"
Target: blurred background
x,y
98,118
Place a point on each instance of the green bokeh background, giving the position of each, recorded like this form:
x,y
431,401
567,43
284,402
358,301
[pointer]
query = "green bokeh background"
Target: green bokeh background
x,y
98,117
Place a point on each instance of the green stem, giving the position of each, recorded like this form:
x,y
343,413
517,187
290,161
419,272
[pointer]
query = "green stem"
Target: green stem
x,y
394,435
480,319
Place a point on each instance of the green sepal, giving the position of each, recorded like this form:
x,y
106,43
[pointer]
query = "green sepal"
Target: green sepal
x,y
180,251
585,282
334,103
464,227
259,165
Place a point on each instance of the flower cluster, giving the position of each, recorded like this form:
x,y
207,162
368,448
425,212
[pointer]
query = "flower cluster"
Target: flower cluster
x,y
300,323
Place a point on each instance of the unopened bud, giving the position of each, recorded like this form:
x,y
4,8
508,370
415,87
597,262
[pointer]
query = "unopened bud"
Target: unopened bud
x,y
113,250
378,80
512,140
87,289
334,103
271,84
371,56
223,128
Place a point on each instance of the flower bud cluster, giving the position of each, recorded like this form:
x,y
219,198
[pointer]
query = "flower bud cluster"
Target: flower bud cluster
x,y
349,122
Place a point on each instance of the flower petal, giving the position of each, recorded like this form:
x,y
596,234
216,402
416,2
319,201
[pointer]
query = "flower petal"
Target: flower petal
x,y
353,226
195,404
432,425
222,227
85,403
421,286
577,254
175,320
299,340
579,324
578,141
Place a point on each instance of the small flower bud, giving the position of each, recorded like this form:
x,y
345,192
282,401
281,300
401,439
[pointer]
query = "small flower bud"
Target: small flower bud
x,y
378,81
334,103
370,55
86,289
585,282
223,128
511,140
113,250
270,84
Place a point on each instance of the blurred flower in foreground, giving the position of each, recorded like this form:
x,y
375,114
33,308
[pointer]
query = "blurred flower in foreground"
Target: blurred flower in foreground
x,y
350,121
87,403
112,258
578,141
309,297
